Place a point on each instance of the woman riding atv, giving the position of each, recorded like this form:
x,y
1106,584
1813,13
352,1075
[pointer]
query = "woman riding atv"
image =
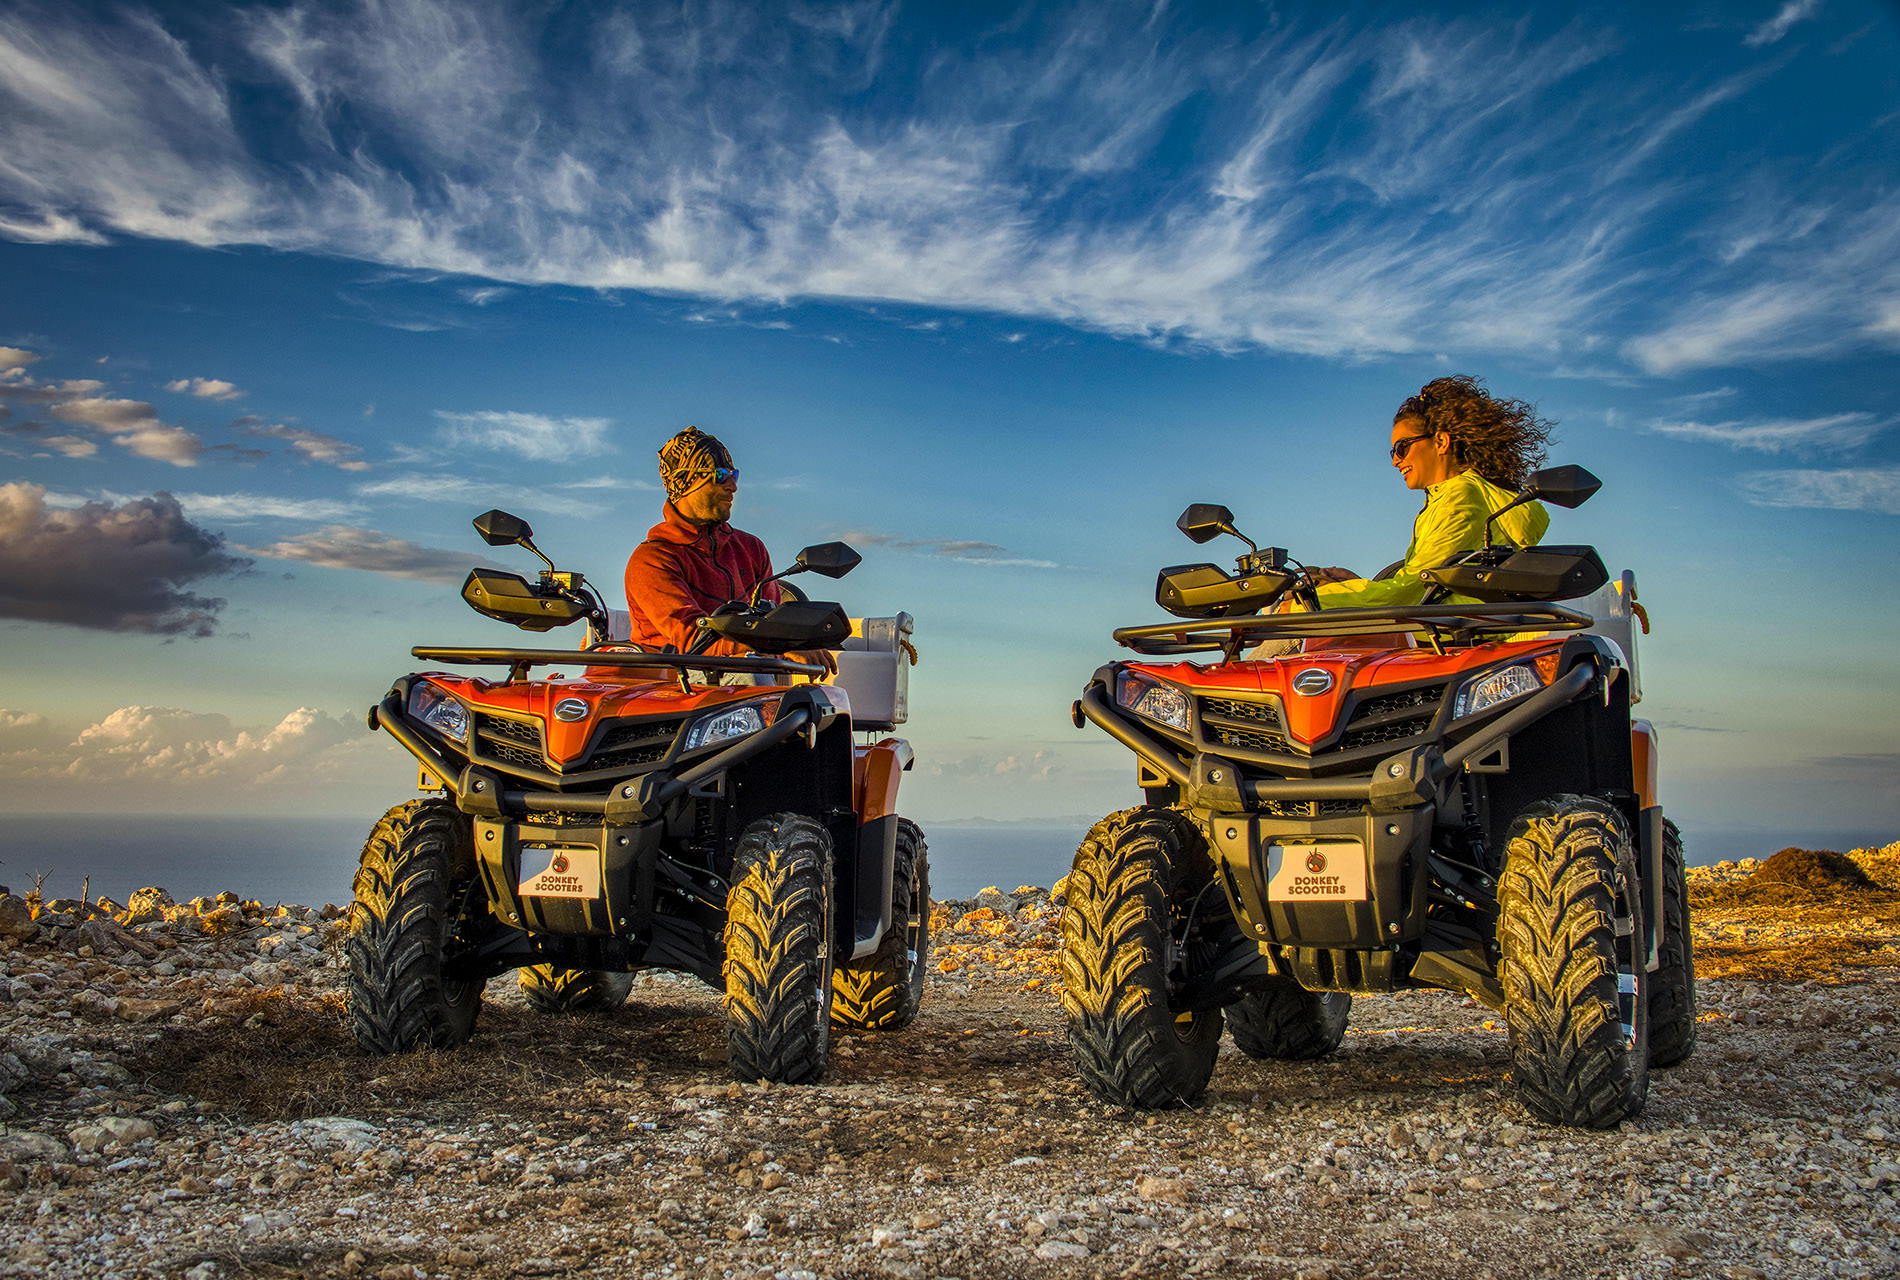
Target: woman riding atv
x,y
1470,452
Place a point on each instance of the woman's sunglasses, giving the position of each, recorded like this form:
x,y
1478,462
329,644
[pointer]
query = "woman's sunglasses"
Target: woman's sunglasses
x,y
1401,447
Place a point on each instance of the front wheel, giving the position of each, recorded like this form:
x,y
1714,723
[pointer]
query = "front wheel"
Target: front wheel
x,y
1284,1020
1672,1007
1576,998
1135,875
883,991
408,895
778,952
551,989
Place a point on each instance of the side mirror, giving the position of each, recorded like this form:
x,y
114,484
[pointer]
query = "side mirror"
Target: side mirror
x,y
499,529
1204,521
1567,486
832,559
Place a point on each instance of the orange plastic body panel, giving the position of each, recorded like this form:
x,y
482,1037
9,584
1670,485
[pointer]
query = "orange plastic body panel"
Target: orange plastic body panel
x,y
875,772
1643,756
1310,717
567,739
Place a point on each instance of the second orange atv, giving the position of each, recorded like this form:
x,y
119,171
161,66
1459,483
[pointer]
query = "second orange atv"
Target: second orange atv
x,y
642,814
1443,795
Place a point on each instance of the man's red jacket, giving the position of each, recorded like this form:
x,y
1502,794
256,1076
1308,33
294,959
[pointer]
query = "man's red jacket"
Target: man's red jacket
x,y
682,572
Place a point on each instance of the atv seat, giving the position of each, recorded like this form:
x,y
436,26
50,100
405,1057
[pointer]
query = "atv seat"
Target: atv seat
x,y
874,671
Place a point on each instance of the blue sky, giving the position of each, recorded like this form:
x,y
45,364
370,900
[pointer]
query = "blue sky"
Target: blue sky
x,y
294,290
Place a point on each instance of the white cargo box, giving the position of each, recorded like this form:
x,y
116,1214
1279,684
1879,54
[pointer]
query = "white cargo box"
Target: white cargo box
x,y
874,670
1615,620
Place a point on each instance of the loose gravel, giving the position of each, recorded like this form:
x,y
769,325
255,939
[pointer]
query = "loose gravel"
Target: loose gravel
x,y
180,1097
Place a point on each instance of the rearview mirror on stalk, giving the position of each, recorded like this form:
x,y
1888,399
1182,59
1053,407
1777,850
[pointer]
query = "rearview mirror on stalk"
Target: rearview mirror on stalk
x,y
1204,521
1567,486
499,529
832,559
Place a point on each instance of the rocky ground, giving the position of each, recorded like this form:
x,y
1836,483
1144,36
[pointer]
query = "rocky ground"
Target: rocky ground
x,y
181,1097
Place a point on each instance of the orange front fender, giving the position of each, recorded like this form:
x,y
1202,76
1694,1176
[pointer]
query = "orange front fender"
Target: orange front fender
x,y
875,772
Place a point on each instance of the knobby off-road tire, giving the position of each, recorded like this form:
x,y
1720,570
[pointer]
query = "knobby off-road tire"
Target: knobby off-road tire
x,y
1570,928
778,951
1672,1004
399,924
1284,1020
1135,876
883,991
552,989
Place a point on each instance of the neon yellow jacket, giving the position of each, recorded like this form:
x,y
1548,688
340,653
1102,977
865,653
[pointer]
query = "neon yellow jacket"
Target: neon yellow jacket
x,y
1452,521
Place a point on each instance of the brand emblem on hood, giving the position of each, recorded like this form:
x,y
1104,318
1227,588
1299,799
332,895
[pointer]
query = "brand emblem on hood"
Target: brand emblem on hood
x,y
570,709
1312,681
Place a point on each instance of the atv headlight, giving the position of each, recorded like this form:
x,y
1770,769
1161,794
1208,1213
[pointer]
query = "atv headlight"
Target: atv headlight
x,y
430,705
728,723
1152,700
1482,692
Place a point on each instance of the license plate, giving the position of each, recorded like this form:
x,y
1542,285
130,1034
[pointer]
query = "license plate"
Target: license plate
x,y
554,871
1324,871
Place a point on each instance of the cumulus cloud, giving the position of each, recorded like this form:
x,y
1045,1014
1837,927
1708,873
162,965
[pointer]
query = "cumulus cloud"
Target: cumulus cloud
x,y
1301,184
962,550
346,547
1848,489
205,388
534,436
167,745
1835,433
312,446
108,567
12,358
133,425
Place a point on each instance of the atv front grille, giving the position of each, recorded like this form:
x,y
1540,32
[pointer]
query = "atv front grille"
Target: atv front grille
x,y
1392,717
516,742
1308,808
1251,726
627,744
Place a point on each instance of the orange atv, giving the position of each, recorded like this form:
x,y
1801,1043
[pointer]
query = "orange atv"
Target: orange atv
x,y
1442,795
643,814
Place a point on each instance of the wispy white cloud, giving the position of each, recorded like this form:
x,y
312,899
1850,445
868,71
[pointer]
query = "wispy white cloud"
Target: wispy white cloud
x,y
241,508
312,446
534,436
1832,434
205,388
1847,489
1790,13
961,550
474,494
1414,186
347,547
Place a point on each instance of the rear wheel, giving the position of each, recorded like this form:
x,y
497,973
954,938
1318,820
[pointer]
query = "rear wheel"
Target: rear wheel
x,y
1672,1006
778,951
552,989
1284,1020
883,991
1576,997
1135,875
408,892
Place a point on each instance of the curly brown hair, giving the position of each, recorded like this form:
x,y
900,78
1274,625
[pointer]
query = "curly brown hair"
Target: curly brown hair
x,y
1502,440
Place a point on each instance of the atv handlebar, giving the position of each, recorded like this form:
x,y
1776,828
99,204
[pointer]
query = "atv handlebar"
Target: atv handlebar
x,y
1220,633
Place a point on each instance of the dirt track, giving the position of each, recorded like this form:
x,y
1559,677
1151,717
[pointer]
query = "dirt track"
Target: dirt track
x,y
962,1147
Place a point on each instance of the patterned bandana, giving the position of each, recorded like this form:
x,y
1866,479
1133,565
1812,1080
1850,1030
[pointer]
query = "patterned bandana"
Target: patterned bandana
x,y
689,459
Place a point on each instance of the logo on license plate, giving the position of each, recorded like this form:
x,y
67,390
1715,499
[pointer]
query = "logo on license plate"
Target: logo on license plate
x,y
559,873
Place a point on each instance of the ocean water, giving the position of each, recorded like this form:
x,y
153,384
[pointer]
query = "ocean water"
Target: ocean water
x,y
311,860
